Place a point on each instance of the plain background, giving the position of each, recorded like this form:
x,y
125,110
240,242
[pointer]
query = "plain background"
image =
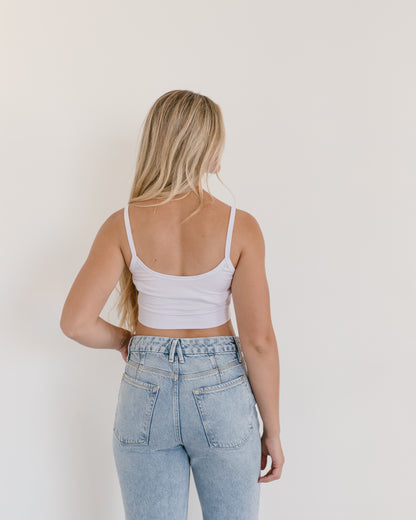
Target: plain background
x,y
319,105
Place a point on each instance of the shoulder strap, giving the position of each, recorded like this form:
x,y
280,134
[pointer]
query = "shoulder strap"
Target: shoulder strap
x,y
128,230
230,231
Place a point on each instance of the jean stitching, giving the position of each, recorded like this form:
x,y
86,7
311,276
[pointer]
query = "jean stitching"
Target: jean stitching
x,y
138,365
194,375
149,414
216,387
217,368
141,384
152,396
209,434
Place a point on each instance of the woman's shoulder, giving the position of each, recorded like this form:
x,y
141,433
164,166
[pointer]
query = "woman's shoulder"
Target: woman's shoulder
x,y
247,221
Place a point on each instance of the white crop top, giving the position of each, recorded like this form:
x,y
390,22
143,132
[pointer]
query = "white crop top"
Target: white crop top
x,y
169,301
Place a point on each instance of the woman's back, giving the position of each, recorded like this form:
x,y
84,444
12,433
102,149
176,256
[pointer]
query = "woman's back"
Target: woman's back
x,y
189,249
182,272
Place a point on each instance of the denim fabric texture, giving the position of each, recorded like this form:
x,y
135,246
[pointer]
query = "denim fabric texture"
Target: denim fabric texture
x,y
187,403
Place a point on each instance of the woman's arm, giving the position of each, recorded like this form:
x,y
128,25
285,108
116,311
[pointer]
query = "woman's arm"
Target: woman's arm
x,y
263,367
251,300
80,318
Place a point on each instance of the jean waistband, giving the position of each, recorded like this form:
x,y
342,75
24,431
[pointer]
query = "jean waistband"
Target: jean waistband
x,y
198,345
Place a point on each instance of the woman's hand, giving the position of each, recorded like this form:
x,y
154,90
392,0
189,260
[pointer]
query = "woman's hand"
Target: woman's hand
x,y
271,446
124,344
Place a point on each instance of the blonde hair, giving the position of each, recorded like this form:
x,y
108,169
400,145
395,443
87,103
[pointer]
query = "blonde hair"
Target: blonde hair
x,y
183,139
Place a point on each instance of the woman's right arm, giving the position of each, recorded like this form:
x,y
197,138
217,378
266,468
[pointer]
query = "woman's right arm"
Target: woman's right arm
x,y
251,301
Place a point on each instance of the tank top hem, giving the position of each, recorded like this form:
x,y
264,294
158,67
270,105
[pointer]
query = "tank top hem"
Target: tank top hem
x,y
190,321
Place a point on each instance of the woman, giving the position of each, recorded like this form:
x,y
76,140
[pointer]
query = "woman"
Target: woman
x,y
190,386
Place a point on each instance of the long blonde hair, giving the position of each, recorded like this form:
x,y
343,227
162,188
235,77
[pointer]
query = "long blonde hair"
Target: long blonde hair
x,y
183,139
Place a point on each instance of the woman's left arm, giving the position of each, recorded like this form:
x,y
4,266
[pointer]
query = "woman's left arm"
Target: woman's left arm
x,y
80,318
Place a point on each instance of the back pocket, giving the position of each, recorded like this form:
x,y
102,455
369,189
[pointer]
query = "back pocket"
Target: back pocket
x,y
134,412
226,411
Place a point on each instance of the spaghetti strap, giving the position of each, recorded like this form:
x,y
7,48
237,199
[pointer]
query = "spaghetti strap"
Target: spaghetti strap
x,y
128,231
229,232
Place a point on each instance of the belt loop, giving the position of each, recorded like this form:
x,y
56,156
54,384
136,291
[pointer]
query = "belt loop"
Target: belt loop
x,y
179,350
241,356
175,347
128,348
172,349
237,340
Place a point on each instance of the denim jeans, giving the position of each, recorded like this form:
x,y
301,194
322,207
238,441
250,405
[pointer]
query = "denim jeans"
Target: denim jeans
x,y
182,403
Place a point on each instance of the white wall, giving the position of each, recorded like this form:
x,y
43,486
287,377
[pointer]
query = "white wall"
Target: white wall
x,y
319,105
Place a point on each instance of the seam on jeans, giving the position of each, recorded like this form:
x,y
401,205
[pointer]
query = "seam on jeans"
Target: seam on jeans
x,y
141,384
216,387
217,368
229,365
163,350
139,355
212,360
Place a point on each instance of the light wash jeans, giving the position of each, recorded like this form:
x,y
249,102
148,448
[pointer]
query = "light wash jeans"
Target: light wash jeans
x,y
187,402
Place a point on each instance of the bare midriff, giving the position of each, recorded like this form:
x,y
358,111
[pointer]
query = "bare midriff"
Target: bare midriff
x,y
226,329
